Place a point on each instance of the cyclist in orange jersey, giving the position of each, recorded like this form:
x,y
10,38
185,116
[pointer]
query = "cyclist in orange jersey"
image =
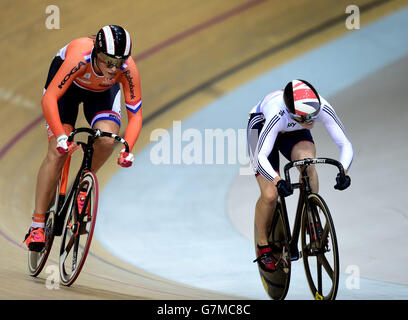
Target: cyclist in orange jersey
x,y
86,70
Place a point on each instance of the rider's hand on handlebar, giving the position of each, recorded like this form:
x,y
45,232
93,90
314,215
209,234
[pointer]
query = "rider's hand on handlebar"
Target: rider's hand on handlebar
x,y
343,181
125,159
63,146
283,188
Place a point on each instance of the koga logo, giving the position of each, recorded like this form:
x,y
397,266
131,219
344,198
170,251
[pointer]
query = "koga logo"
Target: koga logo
x,y
68,75
291,124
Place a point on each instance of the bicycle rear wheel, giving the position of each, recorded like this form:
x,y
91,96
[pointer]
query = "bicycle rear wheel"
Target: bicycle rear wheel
x,y
37,260
319,249
276,283
78,230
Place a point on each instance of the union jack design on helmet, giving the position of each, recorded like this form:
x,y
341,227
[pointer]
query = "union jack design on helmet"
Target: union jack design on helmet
x,y
114,41
302,100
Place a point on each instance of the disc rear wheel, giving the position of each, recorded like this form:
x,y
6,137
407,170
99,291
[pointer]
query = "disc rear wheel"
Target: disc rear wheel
x,y
276,283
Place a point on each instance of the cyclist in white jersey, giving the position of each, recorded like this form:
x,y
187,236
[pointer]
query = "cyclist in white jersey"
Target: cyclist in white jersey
x,y
282,122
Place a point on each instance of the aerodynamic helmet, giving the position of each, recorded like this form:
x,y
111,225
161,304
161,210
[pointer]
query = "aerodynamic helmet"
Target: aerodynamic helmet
x,y
113,41
302,100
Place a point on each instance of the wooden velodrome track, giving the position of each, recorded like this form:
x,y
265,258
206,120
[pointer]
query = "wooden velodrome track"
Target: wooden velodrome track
x,y
189,52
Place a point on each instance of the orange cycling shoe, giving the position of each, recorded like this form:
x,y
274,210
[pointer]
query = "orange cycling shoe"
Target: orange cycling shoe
x,y
81,201
35,239
265,258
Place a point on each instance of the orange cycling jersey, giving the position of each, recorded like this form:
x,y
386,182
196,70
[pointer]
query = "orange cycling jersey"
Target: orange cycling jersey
x,y
77,67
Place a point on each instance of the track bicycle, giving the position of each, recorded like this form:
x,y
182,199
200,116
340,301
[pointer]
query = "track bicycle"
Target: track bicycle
x,y
314,224
64,217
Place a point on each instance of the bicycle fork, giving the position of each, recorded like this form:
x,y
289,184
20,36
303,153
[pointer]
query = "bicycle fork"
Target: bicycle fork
x,y
292,241
63,183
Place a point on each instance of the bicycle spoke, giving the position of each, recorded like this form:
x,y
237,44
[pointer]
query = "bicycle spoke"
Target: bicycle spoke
x,y
75,253
85,227
326,265
68,247
319,275
325,235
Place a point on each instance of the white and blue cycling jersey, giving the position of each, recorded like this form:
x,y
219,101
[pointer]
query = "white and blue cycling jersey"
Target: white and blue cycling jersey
x,y
273,112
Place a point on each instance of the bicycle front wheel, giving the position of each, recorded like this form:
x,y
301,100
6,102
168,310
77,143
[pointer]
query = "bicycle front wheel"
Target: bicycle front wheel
x,y
78,229
319,249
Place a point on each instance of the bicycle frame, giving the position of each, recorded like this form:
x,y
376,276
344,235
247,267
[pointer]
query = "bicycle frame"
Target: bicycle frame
x,y
293,237
62,199
284,241
62,206
305,190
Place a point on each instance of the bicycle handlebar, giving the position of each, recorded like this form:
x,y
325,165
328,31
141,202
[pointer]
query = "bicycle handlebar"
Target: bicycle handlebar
x,y
98,133
308,162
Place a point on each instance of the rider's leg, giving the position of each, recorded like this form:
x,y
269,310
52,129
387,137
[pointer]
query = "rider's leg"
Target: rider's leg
x,y
49,174
51,166
265,208
103,146
307,149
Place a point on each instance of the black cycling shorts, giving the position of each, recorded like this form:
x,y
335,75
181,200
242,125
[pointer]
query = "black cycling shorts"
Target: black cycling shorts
x,y
284,143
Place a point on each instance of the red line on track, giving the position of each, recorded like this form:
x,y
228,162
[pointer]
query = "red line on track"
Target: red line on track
x,y
189,32
19,135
